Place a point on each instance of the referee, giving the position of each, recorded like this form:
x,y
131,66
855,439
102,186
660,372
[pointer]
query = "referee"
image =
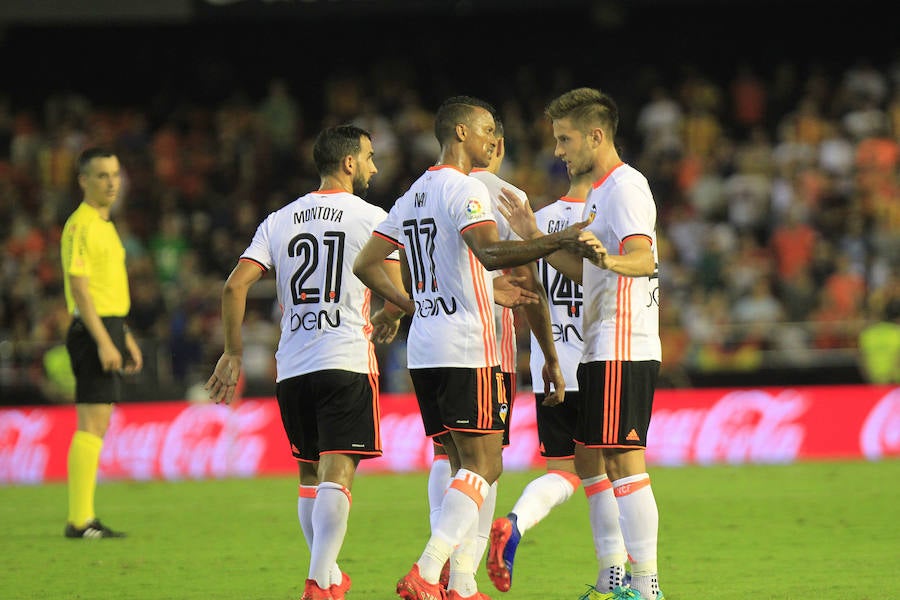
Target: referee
x,y
100,346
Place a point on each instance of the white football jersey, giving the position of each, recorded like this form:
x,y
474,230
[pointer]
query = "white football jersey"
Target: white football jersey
x,y
453,325
504,321
564,297
312,243
621,313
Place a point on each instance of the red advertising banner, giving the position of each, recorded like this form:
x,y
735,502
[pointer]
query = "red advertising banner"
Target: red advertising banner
x,y
183,440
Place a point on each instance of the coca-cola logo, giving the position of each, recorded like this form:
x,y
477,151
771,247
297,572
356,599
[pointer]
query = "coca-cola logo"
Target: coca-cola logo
x,y
880,434
742,426
203,440
24,452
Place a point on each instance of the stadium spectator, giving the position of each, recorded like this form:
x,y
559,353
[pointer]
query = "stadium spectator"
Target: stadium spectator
x,y
879,341
879,347
748,97
99,343
326,380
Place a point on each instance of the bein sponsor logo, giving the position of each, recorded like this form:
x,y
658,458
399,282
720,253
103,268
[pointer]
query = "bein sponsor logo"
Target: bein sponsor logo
x,y
431,307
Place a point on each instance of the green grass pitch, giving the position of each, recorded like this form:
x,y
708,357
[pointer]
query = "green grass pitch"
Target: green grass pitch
x,y
815,531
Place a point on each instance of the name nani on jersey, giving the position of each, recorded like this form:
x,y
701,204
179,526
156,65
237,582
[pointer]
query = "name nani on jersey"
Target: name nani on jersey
x,y
323,213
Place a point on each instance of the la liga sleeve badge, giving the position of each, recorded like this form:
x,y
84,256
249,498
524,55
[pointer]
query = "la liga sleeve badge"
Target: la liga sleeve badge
x,y
474,209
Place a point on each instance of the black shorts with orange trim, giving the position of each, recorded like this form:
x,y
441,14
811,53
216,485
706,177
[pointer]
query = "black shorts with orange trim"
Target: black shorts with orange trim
x,y
556,425
461,399
331,412
93,385
616,403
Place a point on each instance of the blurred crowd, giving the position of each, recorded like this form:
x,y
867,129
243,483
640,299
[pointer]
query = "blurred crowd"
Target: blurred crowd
x,y
777,191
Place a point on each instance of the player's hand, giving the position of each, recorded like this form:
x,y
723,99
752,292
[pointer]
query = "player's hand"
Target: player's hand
x,y
552,374
509,293
110,357
384,327
223,382
518,213
593,249
135,361
581,243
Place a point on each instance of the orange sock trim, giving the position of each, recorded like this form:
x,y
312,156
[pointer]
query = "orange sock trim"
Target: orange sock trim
x,y
630,488
438,457
468,485
570,477
596,488
305,491
348,494
336,486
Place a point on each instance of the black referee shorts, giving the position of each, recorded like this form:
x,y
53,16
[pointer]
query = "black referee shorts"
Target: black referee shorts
x,y
93,385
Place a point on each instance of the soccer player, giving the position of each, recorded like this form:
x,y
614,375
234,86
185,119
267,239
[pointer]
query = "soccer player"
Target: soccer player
x,y
538,318
448,230
100,346
556,423
327,375
622,352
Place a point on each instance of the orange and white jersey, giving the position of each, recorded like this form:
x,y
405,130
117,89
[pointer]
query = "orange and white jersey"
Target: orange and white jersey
x,y
504,321
621,313
565,299
311,243
453,325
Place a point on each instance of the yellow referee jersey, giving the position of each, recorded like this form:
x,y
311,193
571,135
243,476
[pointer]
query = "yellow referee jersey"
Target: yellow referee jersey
x,y
90,247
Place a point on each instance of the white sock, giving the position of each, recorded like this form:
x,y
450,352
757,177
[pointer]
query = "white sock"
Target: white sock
x,y
610,578
329,519
485,520
438,480
306,499
540,496
459,511
639,519
609,545
463,564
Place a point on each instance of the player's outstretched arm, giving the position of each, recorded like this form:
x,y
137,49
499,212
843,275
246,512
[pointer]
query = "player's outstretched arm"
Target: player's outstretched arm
x,y
521,219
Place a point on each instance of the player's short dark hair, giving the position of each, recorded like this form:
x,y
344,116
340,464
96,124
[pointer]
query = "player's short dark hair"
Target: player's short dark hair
x,y
89,154
455,110
333,144
586,107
